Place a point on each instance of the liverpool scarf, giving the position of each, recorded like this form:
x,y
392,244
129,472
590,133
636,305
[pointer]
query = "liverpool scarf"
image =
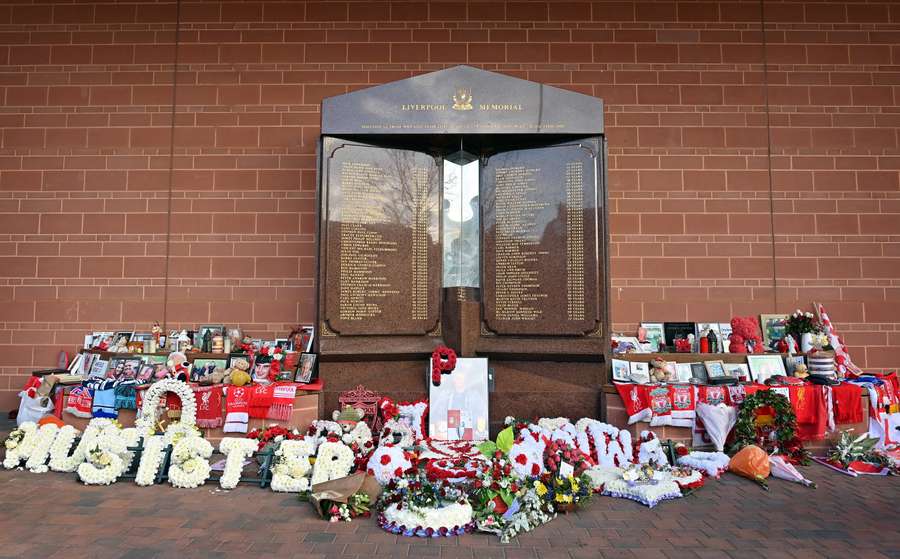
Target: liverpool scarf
x,y
261,398
237,408
282,401
847,403
209,406
80,402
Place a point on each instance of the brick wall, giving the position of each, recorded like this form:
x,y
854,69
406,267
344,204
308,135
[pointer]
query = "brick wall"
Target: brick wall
x,y
86,189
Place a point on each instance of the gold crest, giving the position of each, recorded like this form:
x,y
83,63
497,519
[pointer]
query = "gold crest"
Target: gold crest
x,y
462,99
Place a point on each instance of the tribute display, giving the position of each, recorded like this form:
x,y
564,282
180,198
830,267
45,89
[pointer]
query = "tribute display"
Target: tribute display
x,y
383,272
539,241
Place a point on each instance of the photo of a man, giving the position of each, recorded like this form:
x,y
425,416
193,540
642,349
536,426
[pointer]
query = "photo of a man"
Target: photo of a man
x,y
459,406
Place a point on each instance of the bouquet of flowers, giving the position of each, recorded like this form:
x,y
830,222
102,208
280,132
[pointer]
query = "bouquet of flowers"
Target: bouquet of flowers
x,y
800,323
859,449
272,434
357,505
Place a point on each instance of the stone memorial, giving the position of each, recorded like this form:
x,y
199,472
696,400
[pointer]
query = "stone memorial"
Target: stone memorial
x,y
466,208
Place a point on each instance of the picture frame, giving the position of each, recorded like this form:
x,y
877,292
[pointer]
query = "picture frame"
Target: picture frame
x,y
458,406
128,335
261,372
286,344
156,359
791,362
655,334
99,337
764,366
99,368
676,330
146,372
124,367
703,326
197,337
724,335
200,368
307,337
698,373
772,328
640,372
621,370
628,344
306,368
740,371
715,369
684,372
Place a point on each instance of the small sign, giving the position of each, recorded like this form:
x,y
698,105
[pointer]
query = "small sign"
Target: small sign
x,y
566,470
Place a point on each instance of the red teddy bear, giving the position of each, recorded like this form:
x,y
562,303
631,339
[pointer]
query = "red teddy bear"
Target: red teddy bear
x,y
745,335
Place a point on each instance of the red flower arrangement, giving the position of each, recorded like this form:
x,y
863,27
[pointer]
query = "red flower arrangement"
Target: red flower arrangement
x,y
270,434
558,452
443,361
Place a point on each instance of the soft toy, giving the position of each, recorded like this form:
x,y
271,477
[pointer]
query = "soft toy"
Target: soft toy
x,y
658,372
121,345
238,374
745,336
178,366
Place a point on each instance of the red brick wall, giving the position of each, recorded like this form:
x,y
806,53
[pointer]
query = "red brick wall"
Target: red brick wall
x,y
86,91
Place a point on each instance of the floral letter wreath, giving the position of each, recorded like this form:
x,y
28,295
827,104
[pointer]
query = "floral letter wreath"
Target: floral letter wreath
x,y
146,423
60,461
46,434
236,450
443,361
388,463
333,461
151,460
190,467
786,441
19,444
292,466
108,456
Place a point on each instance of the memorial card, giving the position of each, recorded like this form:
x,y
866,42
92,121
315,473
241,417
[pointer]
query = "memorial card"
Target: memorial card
x,y
640,372
764,366
458,406
621,370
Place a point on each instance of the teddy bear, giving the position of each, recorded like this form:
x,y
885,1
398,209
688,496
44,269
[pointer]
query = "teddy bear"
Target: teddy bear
x,y
745,336
177,366
238,374
659,371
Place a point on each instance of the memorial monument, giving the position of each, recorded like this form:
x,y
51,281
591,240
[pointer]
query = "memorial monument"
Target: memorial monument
x,y
466,208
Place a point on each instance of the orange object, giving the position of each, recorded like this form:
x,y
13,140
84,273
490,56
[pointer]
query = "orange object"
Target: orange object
x,y
751,462
48,419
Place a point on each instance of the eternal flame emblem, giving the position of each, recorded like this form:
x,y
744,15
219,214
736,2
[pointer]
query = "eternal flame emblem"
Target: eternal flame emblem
x,y
462,99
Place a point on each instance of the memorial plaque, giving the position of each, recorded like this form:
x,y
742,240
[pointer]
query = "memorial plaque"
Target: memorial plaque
x,y
382,252
539,244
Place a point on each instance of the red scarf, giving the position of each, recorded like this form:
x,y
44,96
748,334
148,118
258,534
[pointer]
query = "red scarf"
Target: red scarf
x,y
261,398
847,403
809,407
209,406
282,401
237,406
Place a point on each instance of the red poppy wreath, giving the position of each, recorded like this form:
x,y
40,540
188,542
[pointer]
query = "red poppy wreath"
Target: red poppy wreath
x,y
443,361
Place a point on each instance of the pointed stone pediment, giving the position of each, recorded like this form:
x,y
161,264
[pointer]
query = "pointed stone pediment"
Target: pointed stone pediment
x,y
462,100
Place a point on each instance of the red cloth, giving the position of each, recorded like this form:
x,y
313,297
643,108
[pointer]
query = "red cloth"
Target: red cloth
x,y
636,398
209,406
237,406
847,403
282,401
809,407
261,398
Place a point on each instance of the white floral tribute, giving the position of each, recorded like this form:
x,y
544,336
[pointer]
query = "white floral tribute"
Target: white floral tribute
x,y
360,434
236,450
387,463
60,461
710,463
292,466
320,429
146,422
333,461
19,444
445,516
151,460
190,466
398,433
527,454
37,461
600,475
612,446
550,424
106,457
628,486
415,412
650,450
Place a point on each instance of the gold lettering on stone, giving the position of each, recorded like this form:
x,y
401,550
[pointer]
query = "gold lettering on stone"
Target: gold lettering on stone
x,y
575,240
518,288
420,245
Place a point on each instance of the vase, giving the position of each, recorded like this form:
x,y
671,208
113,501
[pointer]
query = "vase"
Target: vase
x,y
806,342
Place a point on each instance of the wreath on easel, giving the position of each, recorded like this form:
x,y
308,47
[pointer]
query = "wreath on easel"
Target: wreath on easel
x,y
767,420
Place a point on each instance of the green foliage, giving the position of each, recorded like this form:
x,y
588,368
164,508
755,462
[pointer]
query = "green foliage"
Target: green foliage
x,y
505,440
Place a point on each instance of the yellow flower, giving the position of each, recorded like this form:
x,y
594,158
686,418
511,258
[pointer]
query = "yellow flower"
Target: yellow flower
x,y
540,488
574,485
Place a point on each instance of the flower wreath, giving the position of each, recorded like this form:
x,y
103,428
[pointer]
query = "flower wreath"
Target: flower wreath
x,y
609,445
388,463
236,451
453,471
416,411
333,461
19,444
710,463
321,429
106,456
292,466
783,439
190,466
443,361
37,461
151,460
60,461
146,423
396,432
527,455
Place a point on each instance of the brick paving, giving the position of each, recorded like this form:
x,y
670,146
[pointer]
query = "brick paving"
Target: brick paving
x,y
53,515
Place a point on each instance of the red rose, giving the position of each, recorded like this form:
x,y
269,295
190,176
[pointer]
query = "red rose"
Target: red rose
x,y
385,460
370,471
535,469
681,450
398,472
522,459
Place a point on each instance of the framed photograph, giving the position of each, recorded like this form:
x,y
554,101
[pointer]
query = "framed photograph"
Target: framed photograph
x,y
212,330
458,407
201,368
677,330
772,326
124,368
307,337
627,344
87,363
285,344
791,362
119,335
715,369
764,366
698,373
640,372
146,372
156,359
655,334
725,332
88,341
261,372
99,368
684,371
621,370
739,371
100,337
306,368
